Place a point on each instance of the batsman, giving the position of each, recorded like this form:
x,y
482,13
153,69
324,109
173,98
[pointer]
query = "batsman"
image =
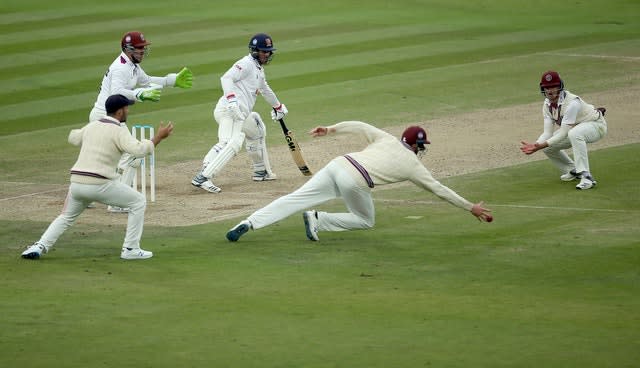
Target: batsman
x,y
237,122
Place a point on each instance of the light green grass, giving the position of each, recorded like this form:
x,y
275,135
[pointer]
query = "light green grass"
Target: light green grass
x,y
552,282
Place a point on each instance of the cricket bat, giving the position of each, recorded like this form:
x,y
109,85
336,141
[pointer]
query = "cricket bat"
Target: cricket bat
x,y
296,153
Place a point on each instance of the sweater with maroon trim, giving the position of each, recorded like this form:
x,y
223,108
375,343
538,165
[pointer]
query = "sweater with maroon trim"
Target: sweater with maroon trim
x,y
102,143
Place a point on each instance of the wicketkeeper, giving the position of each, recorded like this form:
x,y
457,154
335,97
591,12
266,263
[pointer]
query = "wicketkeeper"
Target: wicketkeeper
x,y
126,77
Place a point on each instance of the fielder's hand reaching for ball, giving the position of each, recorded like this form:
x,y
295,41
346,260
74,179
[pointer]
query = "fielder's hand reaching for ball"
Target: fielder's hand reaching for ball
x,y
483,214
320,131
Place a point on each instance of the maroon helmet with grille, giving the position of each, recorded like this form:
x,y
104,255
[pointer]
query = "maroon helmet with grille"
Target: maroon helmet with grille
x,y
133,40
416,138
550,79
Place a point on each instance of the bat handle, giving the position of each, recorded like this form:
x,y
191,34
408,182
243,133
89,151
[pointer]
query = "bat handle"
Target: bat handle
x,y
285,130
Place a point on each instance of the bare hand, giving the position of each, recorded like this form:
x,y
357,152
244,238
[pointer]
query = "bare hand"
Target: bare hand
x,y
481,213
163,132
319,131
528,148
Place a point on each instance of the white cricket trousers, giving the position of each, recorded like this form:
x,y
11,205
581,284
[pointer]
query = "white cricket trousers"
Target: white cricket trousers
x,y
112,193
577,139
334,181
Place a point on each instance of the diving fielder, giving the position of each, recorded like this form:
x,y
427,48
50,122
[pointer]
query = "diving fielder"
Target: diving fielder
x,y
385,160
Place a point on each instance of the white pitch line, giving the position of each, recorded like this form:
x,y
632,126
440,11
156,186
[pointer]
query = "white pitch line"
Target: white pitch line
x,y
628,58
31,194
517,206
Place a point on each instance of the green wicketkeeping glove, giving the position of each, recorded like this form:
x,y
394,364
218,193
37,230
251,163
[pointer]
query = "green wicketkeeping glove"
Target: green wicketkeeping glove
x,y
184,79
150,95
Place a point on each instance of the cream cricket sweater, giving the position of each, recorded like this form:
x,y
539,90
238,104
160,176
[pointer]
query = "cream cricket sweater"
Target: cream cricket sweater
x,y
102,143
387,160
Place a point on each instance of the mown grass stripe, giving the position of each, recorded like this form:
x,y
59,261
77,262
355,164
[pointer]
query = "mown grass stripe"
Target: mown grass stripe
x,y
412,59
308,62
203,39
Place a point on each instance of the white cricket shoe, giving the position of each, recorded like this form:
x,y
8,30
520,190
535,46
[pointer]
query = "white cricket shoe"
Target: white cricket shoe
x,y
210,187
201,181
570,176
116,209
135,253
263,175
237,231
587,182
311,224
198,180
35,251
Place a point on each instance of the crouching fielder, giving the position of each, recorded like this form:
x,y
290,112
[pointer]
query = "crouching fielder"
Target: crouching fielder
x,y
385,160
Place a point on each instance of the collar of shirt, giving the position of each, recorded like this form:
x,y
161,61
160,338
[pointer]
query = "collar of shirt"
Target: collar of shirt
x,y
124,59
109,120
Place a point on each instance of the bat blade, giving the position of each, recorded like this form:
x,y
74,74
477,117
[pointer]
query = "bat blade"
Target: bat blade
x,y
295,150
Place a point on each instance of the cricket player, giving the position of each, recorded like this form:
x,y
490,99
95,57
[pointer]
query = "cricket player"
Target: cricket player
x,y
93,177
577,123
385,160
126,77
237,122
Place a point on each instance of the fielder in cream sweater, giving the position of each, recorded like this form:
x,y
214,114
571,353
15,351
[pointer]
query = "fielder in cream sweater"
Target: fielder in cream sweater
x,y
385,160
102,142
94,178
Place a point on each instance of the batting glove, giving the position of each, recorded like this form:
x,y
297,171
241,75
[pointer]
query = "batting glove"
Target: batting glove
x,y
184,79
234,108
150,95
279,112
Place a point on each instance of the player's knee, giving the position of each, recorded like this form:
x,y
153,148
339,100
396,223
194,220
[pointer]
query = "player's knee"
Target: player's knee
x,y
139,203
254,127
575,135
236,142
369,223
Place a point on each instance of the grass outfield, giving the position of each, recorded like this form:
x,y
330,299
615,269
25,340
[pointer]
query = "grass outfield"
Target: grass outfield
x,y
552,282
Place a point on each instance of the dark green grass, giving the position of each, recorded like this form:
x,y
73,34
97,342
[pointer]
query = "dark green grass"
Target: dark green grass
x,y
553,281
392,55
